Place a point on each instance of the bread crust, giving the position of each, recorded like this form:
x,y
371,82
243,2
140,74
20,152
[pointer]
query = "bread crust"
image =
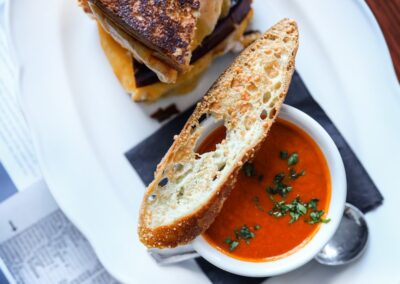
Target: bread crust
x,y
187,228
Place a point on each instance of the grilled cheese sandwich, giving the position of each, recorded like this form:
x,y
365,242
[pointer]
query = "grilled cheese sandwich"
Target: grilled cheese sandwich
x,y
156,48
123,66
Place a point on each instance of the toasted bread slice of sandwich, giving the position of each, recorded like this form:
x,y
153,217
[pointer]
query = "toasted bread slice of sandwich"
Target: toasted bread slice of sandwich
x,y
161,34
123,65
153,76
189,190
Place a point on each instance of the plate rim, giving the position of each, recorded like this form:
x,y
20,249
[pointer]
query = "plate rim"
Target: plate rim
x,y
52,184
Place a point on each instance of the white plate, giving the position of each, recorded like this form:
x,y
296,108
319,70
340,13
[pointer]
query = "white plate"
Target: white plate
x,y
83,123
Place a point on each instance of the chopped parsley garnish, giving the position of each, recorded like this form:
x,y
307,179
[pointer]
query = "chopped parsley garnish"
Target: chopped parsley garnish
x,y
294,175
248,169
244,233
316,217
283,155
279,210
293,159
279,186
296,209
278,178
233,245
228,241
312,204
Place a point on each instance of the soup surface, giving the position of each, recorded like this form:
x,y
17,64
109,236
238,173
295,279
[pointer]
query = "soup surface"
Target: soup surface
x,y
279,200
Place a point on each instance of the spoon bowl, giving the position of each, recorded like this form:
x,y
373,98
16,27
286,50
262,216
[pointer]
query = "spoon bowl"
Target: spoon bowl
x,y
349,241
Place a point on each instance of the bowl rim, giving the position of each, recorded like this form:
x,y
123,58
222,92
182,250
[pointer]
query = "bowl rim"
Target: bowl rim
x,y
335,212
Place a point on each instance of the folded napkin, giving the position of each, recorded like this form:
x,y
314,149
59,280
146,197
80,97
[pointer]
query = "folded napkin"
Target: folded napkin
x,y
361,191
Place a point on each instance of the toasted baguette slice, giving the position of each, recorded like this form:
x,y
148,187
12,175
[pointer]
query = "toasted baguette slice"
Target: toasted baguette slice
x,y
189,189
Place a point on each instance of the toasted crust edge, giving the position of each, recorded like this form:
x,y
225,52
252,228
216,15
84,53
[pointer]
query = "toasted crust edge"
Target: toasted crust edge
x,y
185,229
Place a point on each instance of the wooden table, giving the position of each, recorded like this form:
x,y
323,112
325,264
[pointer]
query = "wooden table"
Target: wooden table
x,y
387,12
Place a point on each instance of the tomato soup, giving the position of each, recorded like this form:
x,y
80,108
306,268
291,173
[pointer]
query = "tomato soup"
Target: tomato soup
x,y
279,200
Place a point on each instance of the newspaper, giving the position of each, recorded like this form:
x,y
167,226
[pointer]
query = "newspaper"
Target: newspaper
x,y
37,242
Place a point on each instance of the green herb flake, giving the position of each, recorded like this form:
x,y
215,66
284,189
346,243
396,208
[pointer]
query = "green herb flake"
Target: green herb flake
x,y
280,188
283,155
280,208
233,245
293,159
245,233
313,203
296,209
294,217
285,190
228,241
316,214
248,169
301,209
278,178
257,227
272,190
316,217
294,175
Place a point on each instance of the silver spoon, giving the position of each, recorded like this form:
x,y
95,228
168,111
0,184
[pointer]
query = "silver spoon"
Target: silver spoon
x,y
349,241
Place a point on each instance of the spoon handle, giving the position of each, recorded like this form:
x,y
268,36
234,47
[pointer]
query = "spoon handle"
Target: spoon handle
x,y
175,255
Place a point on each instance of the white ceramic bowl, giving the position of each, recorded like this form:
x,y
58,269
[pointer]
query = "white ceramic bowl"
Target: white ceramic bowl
x,y
325,232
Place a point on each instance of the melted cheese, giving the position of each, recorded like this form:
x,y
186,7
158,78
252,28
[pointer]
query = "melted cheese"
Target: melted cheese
x,y
121,62
210,10
226,7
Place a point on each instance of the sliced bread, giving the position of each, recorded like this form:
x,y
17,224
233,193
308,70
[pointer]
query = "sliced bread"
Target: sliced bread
x,y
189,189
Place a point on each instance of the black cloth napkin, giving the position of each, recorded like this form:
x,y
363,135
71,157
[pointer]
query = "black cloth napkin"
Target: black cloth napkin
x,y
361,191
